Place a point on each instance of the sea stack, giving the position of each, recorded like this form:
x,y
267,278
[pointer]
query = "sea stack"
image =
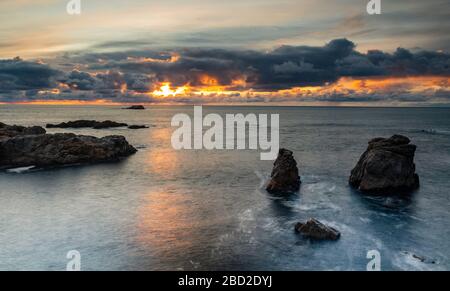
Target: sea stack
x,y
387,167
285,178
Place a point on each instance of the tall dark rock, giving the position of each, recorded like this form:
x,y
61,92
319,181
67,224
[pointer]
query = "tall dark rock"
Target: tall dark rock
x,y
285,178
387,166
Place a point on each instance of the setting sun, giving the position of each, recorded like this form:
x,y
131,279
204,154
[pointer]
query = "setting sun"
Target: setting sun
x,y
166,91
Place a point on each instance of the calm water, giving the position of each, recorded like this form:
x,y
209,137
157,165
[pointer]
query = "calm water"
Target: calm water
x,y
200,210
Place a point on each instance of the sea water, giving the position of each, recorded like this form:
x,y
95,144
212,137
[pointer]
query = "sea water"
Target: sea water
x,y
162,209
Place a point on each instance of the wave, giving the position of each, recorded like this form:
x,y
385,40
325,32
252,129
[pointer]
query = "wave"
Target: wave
x,y
435,131
20,170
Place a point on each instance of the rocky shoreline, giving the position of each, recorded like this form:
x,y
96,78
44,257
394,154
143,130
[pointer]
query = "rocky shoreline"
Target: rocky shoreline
x,y
94,124
32,146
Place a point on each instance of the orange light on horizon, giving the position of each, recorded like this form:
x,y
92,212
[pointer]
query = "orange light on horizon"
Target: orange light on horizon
x,y
165,90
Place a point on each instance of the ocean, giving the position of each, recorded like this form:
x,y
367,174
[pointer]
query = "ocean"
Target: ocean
x,y
162,209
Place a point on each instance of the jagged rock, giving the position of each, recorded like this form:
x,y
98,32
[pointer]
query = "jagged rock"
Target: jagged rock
x,y
137,126
285,178
386,166
135,107
88,124
47,150
15,130
316,230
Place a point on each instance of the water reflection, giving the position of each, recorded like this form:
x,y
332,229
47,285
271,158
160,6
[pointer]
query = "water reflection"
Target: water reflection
x,y
165,221
177,228
161,158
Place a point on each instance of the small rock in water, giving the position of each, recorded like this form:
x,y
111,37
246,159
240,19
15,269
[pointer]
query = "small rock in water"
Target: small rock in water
x,y
420,258
135,107
386,167
316,230
285,178
137,126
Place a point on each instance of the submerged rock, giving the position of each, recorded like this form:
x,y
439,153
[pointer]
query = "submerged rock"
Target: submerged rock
x,y
285,178
15,130
135,107
316,230
88,124
386,166
421,259
48,150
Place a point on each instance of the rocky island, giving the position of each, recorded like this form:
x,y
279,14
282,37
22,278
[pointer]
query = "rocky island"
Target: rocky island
x,y
94,124
135,107
32,146
386,166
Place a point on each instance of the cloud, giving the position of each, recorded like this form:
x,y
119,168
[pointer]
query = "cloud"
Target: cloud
x,y
17,74
133,75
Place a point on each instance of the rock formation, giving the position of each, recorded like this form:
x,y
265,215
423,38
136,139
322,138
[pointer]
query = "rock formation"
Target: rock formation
x,y
94,124
386,166
14,130
284,178
88,124
23,147
316,230
137,126
135,107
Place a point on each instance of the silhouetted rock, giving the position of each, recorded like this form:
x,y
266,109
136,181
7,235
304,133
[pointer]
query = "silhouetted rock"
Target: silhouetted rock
x,y
15,130
284,178
109,124
316,230
137,126
135,107
88,124
46,150
387,166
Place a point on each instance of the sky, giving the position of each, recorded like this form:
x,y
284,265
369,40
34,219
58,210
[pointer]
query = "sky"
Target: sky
x,y
235,51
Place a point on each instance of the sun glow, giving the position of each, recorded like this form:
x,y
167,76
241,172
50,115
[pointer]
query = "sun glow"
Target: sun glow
x,y
165,91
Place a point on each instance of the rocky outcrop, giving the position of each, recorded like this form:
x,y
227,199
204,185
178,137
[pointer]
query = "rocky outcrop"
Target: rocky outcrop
x,y
88,124
15,130
387,166
94,124
137,126
135,107
47,150
30,146
316,230
285,178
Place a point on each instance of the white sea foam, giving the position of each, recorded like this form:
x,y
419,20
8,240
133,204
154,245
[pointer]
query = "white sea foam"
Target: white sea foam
x,y
20,170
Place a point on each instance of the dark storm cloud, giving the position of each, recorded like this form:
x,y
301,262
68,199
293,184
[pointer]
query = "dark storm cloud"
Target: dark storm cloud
x,y
125,75
282,68
17,74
